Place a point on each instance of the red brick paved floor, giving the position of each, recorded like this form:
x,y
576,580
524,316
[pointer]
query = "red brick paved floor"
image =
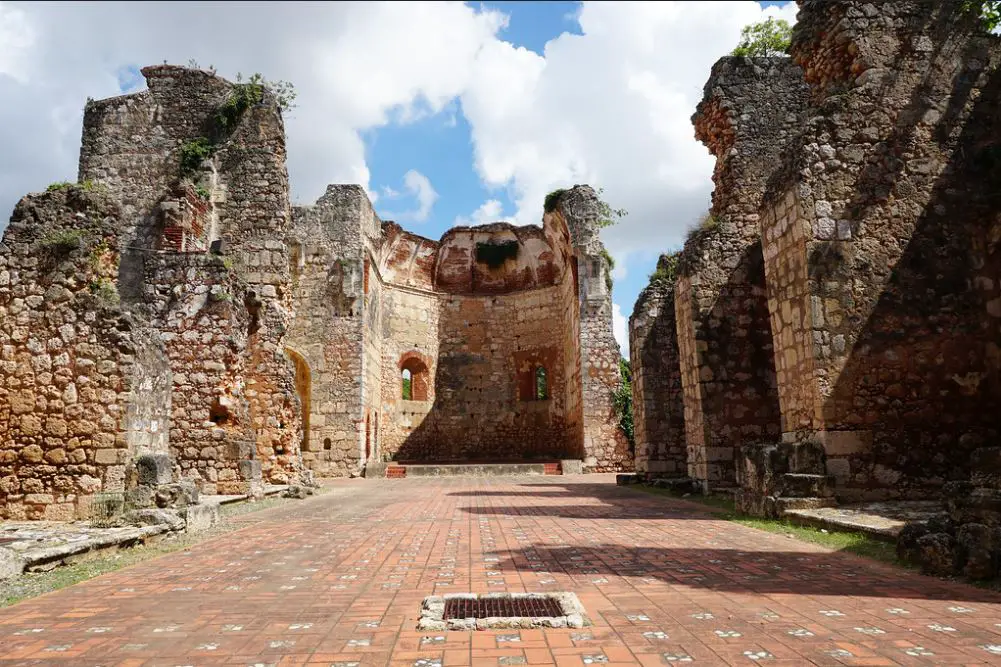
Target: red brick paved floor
x,y
338,580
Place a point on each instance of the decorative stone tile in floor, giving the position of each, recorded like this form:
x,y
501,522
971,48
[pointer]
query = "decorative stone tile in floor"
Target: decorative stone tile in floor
x,y
304,584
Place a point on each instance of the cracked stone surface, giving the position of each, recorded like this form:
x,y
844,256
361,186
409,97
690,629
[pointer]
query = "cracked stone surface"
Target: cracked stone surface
x,y
882,518
677,587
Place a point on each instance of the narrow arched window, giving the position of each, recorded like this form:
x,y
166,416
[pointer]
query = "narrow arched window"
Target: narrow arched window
x,y
408,385
541,384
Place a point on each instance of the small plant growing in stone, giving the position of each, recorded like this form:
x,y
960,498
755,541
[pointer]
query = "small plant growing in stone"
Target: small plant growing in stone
x,y
194,153
61,185
220,296
552,199
611,267
706,224
608,216
667,268
766,38
63,241
622,400
203,192
105,290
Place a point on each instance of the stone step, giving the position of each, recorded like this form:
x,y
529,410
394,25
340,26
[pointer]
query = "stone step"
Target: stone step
x,y
474,469
801,485
783,505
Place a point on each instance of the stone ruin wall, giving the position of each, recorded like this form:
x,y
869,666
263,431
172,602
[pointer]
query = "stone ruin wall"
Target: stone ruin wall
x,y
479,332
236,330
750,109
658,397
182,351
85,385
878,219
329,329
604,442
874,238
131,144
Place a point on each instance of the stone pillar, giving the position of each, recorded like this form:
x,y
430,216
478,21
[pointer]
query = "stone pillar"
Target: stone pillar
x,y
658,403
872,237
605,445
750,110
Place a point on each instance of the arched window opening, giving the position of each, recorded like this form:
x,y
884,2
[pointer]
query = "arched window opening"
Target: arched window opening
x,y
541,384
408,385
415,379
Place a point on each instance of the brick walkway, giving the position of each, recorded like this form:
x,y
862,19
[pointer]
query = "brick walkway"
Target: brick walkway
x,y
337,580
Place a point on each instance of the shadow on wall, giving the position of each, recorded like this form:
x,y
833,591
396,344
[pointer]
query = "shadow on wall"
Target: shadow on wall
x,y
922,378
499,387
740,402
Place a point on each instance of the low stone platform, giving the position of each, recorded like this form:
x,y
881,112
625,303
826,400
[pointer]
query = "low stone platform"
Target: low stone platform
x,y
33,546
38,546
481,470
880,519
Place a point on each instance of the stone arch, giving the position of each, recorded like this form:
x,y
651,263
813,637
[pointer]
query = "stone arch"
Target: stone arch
x,y
303,382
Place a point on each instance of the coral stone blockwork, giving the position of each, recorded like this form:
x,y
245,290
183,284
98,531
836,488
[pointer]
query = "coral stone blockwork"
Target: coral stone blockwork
x,y
174,303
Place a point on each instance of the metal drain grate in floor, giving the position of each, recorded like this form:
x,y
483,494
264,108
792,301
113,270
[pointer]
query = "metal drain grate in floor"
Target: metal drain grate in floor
x,y
469,611
501,607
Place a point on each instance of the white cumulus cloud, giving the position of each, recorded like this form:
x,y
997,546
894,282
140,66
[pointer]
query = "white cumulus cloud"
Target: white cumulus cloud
x,y
419,188
489,211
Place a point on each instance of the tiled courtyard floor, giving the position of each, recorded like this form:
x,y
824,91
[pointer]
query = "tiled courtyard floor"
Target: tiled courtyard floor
x,y
338,580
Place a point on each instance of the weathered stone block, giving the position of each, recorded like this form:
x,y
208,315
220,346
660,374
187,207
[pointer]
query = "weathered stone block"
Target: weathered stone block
x,y
153,517
250,470
572,466
198,518
154,469
979,550
11,564
937,554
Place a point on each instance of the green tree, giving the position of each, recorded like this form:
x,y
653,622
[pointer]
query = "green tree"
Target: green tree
x,y
767,38
988,10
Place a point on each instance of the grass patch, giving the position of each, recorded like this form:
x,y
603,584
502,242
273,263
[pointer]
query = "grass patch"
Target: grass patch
x,y
33,584
857,543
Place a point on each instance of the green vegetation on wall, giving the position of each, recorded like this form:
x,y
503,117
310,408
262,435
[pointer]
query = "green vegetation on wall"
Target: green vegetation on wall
x,y
228,115
989,12
622,400
767,38
667,268
607,216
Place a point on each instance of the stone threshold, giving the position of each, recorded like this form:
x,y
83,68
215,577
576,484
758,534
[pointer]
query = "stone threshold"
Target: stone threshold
x,y
882,520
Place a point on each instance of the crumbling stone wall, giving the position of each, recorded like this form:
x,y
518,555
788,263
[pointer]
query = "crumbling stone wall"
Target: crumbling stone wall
x,y
877,237
133,145
658,397
606,447
85,384
750,110
332,327
197,306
